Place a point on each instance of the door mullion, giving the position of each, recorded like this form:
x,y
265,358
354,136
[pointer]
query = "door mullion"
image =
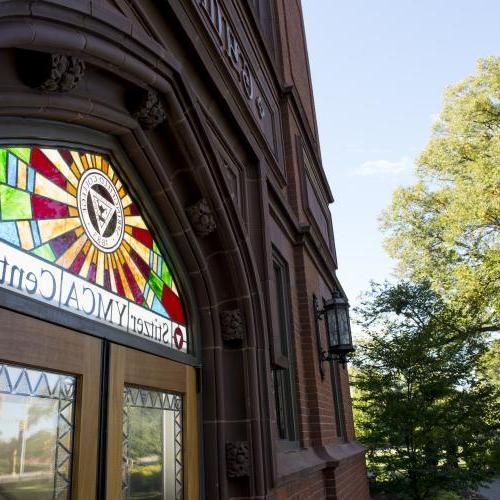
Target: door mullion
x,y
103,421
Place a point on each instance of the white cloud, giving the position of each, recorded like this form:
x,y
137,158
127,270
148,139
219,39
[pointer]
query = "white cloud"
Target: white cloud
x,y
382,167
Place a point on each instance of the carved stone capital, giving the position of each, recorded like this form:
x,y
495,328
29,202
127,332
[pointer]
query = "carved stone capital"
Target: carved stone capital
x,y
237,459
232,326
201,218
148,109
51,72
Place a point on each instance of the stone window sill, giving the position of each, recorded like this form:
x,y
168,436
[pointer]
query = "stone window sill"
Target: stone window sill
x,y
293,464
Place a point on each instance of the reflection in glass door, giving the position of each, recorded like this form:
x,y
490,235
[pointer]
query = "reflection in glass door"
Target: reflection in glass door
x,y
152,438
49,410
152,444
36,433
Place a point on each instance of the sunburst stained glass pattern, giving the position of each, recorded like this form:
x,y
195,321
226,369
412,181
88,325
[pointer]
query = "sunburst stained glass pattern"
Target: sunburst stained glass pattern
x,y
70,208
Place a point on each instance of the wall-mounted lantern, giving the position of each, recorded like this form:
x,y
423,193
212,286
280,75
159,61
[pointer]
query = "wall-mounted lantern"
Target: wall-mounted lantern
x,y
338,328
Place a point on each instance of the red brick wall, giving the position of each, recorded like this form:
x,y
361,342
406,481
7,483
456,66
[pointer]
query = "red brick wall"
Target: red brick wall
x,y
311,487
316,397
295,60
348,481
347,402
329,468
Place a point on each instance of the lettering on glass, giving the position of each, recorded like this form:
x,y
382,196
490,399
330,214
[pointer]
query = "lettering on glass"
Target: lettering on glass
x,y
71,236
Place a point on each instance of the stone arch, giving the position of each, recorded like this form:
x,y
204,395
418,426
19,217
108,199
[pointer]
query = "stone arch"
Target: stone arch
x,y
220,272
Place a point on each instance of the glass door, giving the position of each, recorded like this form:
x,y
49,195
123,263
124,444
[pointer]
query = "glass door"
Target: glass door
x,y
49,410
52,417
152,428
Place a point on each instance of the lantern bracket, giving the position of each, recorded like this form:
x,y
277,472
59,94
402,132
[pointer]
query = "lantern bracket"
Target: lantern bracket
x,y
323,355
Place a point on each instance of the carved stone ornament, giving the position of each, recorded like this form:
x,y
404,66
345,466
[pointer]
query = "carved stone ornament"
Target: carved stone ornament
x,y
51,72
237,459
259,103
148,109
201,218
232,326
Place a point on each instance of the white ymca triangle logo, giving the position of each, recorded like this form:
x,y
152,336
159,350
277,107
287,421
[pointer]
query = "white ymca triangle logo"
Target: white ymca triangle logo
x,y
103,211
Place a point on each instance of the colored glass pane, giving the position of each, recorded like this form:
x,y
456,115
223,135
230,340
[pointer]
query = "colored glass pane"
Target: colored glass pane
x,y
71,208
14,204
156,284
3,165
22,153
165,274
45,252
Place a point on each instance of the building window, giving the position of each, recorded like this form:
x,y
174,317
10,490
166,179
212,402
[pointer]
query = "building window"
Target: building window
x,y
265,15
337,400
283,365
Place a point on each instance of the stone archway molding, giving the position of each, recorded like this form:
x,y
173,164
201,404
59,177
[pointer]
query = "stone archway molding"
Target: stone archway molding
x,y
110,44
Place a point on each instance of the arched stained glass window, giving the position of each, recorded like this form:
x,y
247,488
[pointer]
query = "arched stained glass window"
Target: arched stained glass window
x,y
71,235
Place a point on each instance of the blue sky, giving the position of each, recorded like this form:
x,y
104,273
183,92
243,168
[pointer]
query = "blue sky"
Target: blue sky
x,y
379,69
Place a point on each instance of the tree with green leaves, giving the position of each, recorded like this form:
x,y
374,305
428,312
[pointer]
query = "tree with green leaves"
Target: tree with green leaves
x,y
489,363
446,227
430,422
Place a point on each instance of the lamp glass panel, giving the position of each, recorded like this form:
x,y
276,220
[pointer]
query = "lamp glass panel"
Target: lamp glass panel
x,y
332,329
344,330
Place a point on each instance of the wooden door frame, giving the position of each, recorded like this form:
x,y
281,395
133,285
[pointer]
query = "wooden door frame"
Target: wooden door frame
x,y
30,342
129,366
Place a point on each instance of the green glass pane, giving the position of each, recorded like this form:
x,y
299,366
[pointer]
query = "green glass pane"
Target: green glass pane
x,y
14,204
3,165
45,252
166,276
22,153
156,284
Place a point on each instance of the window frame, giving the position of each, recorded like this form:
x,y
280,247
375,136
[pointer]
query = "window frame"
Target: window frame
x,y
338,400
283,356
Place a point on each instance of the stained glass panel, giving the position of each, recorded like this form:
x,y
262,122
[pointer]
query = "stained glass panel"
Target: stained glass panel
x,y
36,433
72,235
152,445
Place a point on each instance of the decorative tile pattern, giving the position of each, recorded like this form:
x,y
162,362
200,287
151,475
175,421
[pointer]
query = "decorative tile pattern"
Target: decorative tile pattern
x,y
178,454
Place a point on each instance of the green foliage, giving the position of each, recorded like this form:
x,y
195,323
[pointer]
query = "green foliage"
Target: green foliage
x,y
447,495
429,421
427,380
146,482
489,363
145,434
446,227
489,370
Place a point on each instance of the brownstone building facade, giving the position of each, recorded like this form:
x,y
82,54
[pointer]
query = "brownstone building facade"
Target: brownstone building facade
x,y
164,230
